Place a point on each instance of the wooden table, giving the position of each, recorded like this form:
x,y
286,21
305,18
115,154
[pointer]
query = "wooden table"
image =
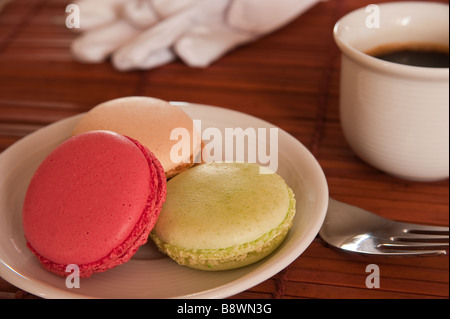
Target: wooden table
x,y
290,78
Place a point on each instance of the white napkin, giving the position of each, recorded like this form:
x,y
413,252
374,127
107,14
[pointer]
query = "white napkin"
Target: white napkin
x,y
144,34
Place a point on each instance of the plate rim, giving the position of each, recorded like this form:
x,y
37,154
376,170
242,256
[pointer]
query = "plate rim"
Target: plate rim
x,y
245,281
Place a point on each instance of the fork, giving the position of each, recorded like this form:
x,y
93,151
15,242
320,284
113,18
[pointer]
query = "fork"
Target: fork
x,y
354,229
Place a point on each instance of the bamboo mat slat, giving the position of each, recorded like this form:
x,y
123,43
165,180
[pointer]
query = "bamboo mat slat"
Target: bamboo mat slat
x,y
289,78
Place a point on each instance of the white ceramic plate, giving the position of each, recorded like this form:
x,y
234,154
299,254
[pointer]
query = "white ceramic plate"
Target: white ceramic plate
x,y
149,274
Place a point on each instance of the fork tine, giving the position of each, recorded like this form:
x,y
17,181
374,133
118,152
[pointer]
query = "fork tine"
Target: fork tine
x,y
420,237
418,246
423,233
425,229
411,252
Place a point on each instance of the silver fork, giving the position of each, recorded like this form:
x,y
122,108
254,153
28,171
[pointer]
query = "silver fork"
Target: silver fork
x,y
354,229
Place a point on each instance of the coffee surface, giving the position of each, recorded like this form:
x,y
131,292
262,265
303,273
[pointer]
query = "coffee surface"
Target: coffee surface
x,y
422,55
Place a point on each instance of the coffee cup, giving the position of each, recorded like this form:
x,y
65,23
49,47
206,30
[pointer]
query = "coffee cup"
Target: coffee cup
x,y
395,116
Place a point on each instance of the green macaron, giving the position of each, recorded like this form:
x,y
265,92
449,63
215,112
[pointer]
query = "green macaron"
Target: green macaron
x,y
220,216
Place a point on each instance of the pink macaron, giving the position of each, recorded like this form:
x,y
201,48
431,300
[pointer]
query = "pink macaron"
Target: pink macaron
x,y
93,202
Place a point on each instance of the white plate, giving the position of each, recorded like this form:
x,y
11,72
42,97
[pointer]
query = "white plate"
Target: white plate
x,y
149,274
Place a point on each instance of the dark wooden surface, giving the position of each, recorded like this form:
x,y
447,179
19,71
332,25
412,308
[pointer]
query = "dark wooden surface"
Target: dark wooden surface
x,y
290,78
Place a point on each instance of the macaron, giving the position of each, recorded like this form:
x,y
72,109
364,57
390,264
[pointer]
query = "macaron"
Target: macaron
x,y
221,216
92,202
154,123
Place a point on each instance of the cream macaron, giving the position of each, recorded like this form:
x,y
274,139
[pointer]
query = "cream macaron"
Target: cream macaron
x,y
220,216
152,122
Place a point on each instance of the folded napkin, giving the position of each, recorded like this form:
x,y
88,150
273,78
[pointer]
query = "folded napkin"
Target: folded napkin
x,y
144,34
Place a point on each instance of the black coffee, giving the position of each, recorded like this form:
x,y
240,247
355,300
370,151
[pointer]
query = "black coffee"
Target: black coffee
x,y
431,56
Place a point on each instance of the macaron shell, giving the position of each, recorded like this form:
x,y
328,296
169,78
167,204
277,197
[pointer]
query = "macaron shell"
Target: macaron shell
x,y
224,215
150,121
92,202
234,256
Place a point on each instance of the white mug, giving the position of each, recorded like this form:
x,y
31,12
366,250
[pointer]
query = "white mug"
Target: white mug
x,y
395,116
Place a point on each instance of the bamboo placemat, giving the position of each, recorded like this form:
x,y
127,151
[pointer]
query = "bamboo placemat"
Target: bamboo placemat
x,y
289,78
